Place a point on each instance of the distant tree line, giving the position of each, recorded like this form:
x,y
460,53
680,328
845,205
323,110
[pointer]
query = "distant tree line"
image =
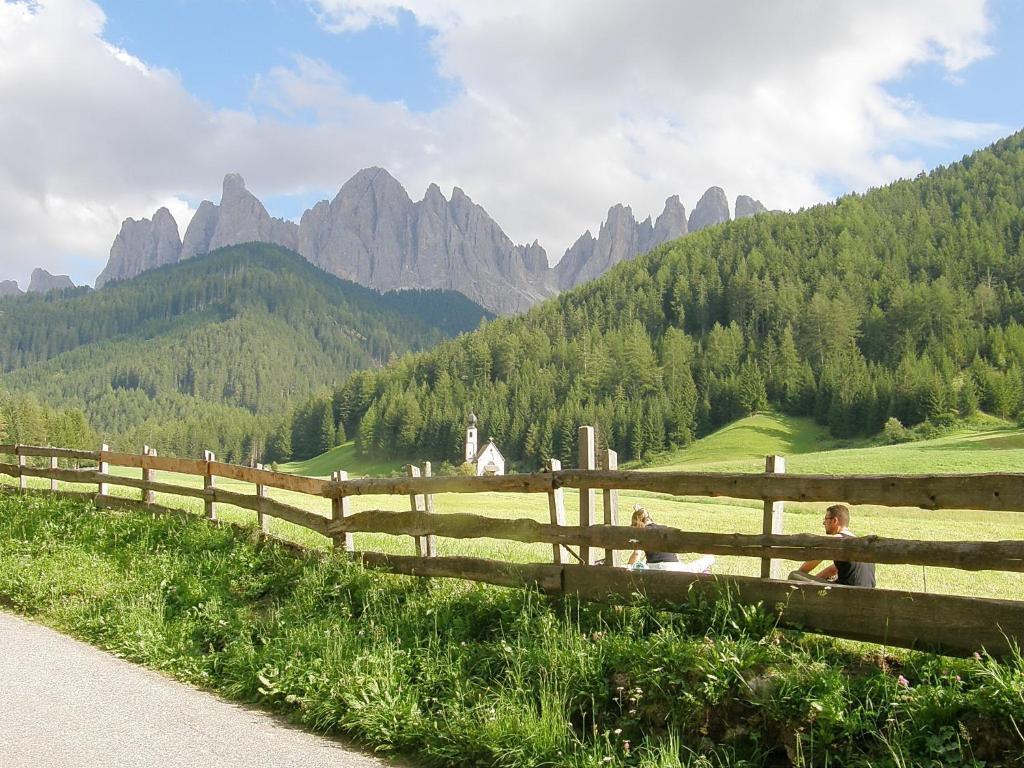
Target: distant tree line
x,y
904,303
24,420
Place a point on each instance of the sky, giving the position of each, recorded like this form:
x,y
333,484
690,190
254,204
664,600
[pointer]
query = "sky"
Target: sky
x,y
545,113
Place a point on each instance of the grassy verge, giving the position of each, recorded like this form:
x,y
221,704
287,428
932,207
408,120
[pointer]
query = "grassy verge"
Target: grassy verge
x,y
461,674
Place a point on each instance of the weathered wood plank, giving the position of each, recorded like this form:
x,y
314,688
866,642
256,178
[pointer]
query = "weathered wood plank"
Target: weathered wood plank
x,y
263,521
905,619
272,508
588,461
610,505
771,519
298,483
341,508
982,555
405,486
428,543
11,470
103,469
984,491
170,489
547,577
61,453
556,513
161,463
8,448
67,475
209,481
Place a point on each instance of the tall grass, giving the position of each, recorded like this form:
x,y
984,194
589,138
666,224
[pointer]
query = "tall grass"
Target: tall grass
x,y
453,673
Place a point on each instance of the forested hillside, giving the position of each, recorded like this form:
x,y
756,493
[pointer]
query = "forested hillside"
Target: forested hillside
x,y
904,302
210,352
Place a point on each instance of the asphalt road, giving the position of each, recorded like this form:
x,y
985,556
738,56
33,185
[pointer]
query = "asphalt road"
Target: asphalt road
x,y
66,704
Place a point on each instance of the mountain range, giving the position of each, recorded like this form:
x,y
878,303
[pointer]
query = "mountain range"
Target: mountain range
x,y
372,233
214,349
40,282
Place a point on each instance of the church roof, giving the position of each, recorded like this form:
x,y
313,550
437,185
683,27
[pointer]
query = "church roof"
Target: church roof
x,y
484,448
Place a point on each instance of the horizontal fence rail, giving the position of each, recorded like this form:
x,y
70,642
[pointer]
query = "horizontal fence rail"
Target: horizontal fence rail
x,y
901,618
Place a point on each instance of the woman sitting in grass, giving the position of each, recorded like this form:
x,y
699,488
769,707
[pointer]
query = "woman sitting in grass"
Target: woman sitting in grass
x,y
662,561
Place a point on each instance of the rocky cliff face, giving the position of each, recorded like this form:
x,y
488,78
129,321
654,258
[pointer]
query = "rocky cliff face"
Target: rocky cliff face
x,y
240,218
620,238
141,245
373,233
10,288
42,281
711,209
748,206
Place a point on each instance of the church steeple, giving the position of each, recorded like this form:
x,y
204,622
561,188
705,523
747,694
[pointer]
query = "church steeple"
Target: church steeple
x,y
471,438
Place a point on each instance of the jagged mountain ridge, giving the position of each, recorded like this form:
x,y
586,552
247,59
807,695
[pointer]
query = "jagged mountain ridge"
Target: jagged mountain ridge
x,y
42,282
374,234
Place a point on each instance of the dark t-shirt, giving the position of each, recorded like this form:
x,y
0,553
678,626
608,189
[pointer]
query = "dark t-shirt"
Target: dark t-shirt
x,y
660,557
854,574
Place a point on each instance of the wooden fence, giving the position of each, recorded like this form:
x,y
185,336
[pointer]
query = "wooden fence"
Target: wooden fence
x,y
943,623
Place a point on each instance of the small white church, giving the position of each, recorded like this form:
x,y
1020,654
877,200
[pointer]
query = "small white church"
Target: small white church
x,y
486,460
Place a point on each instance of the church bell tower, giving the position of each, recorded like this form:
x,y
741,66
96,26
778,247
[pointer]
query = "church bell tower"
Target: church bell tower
x,y
471,439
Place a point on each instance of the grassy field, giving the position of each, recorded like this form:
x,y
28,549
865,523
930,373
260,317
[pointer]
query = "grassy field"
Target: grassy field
x,y
452,673
739,447
343,457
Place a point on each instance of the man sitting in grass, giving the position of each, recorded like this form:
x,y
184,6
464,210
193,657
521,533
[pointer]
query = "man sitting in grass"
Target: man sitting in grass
x,y
851,574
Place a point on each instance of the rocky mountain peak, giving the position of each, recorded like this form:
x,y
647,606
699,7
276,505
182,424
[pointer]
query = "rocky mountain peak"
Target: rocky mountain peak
x,y
240,218
233,187
142,245
748,206
671,224
10,288
711,209
42,281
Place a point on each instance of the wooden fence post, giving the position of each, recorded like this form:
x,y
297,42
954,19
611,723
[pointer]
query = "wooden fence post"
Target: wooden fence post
x,y
587,456
413,471
208,481
148,476
610,499
341,508
428,543
556,509
772,520
53,465
415,506
22,477
261,493
104,468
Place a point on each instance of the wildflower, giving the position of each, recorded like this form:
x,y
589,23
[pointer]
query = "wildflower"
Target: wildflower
x,y
625,747
903,681
617,731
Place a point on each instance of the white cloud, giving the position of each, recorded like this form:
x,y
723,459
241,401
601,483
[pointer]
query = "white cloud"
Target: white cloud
x,y
563,109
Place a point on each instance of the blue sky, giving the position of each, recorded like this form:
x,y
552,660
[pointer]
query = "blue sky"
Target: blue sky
x,y
545,113
219,47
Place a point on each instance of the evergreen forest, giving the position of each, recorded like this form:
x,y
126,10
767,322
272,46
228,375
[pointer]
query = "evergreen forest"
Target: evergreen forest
x,y
895,307
208,353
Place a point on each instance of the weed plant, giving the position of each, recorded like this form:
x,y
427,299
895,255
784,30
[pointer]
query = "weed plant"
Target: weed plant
x,y
453,673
